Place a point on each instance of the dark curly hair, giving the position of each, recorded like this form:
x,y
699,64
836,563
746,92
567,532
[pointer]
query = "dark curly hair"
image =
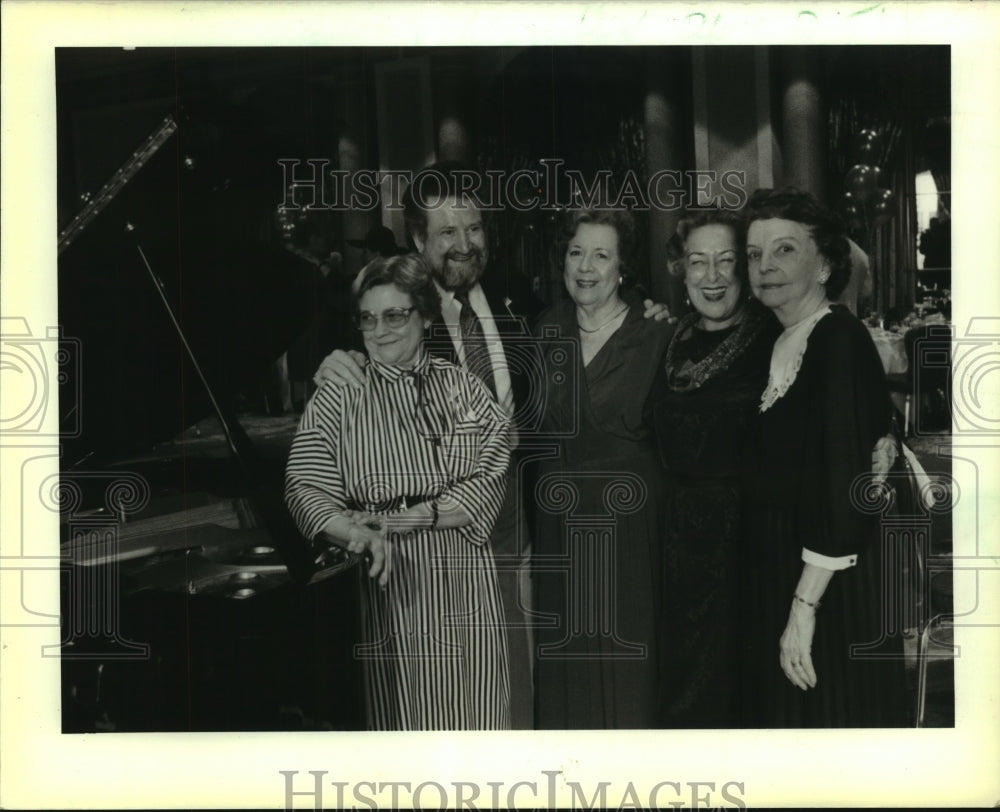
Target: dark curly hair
x,y
826,227
693,219
621,220
408,272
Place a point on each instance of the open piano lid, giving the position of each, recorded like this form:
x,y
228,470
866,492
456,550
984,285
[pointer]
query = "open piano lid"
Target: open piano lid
x,y
175,288
187,614
234,290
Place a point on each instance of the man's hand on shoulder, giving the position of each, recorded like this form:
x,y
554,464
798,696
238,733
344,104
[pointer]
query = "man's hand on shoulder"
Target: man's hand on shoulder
x,y
657,311
883,457
342,368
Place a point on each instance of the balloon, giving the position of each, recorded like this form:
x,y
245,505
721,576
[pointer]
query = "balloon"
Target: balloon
x,y
854,210
866,144
866,153
882,212
861,181
885,195
855,215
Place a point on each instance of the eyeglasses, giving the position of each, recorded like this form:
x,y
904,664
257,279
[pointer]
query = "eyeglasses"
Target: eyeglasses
x,y
394,318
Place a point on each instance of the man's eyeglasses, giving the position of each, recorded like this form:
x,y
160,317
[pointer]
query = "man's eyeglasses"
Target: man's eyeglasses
x,y
394,317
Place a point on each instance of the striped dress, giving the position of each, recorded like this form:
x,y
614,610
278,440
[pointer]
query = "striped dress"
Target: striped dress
x,y
435,649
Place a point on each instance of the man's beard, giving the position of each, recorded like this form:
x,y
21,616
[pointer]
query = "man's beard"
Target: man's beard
x,y
460,271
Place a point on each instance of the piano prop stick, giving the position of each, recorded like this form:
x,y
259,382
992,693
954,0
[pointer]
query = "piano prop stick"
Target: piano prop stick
x,y
192,602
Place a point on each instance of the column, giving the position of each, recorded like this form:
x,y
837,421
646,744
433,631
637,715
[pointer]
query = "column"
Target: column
x,y
804,126
453,136
667,125
351,157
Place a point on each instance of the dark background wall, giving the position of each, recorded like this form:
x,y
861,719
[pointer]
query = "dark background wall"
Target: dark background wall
x,y
243,297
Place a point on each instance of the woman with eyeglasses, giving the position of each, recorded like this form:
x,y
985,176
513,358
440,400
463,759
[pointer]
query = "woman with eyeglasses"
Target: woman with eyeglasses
x,y
410,472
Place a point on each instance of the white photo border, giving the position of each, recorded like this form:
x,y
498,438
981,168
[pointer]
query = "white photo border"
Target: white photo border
x,y
41,768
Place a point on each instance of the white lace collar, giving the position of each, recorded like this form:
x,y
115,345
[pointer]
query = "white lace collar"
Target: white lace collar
x,y
786,358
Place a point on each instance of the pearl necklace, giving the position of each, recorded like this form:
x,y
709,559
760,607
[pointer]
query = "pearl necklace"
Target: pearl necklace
x,y
598,329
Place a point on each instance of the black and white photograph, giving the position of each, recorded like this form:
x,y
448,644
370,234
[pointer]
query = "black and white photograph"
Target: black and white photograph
x,y
595,402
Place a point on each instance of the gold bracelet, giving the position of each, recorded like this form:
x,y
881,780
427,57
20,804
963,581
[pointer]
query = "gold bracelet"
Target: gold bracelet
x,y
807,603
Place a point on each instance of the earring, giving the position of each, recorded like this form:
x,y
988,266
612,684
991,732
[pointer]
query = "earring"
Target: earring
x,y
823,277
621,279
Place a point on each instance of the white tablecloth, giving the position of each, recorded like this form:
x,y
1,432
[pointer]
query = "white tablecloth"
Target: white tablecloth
x,y
891,350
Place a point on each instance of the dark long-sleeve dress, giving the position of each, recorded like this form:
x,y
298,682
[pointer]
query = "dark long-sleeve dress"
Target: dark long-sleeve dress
x,y
814,442
596,564
705,416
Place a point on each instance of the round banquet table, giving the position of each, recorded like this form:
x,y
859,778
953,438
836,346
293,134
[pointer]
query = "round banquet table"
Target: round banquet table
x,y
891,350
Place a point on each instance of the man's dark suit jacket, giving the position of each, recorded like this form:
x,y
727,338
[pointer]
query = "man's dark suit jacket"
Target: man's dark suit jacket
x,y
515,308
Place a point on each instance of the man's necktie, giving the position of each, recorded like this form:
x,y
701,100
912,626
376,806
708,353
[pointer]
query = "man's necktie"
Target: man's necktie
x,y
477,354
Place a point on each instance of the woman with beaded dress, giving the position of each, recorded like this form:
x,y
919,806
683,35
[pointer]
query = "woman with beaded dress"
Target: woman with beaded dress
x,y
704,414
708,426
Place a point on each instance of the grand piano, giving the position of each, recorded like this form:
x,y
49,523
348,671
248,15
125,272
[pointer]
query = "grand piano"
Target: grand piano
x,y
189,599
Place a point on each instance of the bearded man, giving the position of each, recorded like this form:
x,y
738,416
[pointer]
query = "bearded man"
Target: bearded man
x,y
485,317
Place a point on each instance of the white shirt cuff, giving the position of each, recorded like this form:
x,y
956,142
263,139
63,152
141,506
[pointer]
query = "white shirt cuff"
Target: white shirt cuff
x,y
827,562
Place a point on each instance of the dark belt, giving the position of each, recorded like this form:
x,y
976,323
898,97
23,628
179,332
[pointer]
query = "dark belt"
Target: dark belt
x,y
326,549
396,504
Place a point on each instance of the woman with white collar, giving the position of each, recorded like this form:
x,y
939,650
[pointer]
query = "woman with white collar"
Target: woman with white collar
x,y
825,405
